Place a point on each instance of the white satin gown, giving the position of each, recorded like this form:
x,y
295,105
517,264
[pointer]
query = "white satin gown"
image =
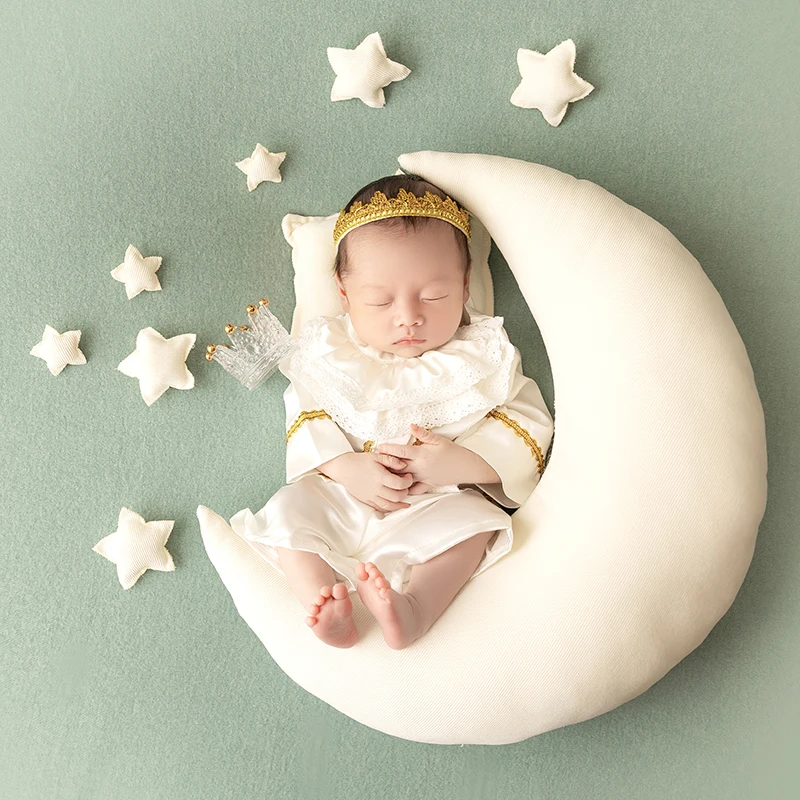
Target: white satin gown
x,y
346,396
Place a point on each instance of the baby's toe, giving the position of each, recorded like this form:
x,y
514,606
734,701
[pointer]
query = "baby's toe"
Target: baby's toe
x,y
324,594
340,591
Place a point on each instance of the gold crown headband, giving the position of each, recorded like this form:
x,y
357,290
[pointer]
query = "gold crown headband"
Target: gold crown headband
x,y
406,204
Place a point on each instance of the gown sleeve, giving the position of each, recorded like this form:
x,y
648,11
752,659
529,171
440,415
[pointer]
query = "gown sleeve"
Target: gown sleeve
x,y
513,438
312,437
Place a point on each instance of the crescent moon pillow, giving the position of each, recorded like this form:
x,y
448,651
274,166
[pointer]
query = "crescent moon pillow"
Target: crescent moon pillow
x,y
639,534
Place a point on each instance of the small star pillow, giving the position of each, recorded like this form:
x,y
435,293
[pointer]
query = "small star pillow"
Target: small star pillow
x,y
138,273
137,545
59,349
261,165
313,255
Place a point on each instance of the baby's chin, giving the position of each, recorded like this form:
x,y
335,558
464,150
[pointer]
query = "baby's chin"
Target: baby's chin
x,y
413,350
410,350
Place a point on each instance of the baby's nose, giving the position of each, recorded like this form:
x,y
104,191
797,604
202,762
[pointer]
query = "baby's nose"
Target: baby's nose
x,y
408,315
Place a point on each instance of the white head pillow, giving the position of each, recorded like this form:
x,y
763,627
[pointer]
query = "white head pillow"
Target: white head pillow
x,y
638,535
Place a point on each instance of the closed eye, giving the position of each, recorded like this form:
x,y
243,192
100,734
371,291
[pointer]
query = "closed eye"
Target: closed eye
x,y
430,299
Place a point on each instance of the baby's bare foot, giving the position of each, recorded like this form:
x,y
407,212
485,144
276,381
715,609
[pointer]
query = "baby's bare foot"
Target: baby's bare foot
x,y
397,613
331,617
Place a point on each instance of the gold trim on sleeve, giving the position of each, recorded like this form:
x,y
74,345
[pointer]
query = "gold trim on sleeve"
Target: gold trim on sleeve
x,y
522,433
302,417
370,444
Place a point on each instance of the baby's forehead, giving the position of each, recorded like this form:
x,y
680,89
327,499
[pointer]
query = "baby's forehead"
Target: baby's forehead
x,y
425,233
388,259
368,281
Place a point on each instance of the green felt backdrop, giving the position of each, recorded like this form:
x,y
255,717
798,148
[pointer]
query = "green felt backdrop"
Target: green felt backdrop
x,y
120,123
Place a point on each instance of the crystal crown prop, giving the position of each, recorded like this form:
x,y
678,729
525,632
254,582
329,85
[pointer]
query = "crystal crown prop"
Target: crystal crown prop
x,y
406,204
257,349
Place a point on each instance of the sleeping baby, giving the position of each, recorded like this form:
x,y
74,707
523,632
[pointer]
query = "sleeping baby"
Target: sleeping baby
x,y
411,432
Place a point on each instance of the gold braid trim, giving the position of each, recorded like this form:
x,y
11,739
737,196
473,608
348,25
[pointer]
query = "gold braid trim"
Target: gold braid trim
x,y
302,417
322,414
370,443
522,433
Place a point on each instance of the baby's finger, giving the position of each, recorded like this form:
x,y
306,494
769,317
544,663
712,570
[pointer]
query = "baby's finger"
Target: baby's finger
x,y
390,461
390,493
397,480
398,450
391,505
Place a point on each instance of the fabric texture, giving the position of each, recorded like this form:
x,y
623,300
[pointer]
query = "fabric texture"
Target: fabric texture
x,y
639,534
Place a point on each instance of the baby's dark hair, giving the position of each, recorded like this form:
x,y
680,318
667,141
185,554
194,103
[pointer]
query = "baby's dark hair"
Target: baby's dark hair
x,y
390,185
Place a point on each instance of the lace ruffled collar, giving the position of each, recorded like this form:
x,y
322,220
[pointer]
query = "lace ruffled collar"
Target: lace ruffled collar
x,y
376,394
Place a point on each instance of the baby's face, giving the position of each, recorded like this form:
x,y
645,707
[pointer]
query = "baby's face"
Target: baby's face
x,y
404,285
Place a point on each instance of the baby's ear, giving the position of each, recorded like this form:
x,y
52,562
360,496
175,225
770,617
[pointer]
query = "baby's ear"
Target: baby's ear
x,y
343,299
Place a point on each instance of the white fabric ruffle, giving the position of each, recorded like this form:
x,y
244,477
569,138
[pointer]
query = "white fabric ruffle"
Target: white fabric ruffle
x,y
377,394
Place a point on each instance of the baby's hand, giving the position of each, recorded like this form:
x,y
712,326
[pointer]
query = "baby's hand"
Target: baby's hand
x,y
417,487
368,477
438,461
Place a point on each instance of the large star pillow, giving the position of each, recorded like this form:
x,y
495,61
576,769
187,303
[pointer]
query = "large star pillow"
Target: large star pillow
x,y
137,546
549,82
362,73
159,363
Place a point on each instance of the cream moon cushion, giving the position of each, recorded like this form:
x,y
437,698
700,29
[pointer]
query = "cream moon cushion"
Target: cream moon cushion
x,y
638,536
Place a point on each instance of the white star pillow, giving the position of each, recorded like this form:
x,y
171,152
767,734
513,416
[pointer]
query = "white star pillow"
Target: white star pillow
x,y
59,349
548,81
363,72
137,545
261,166
138,273
158,363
